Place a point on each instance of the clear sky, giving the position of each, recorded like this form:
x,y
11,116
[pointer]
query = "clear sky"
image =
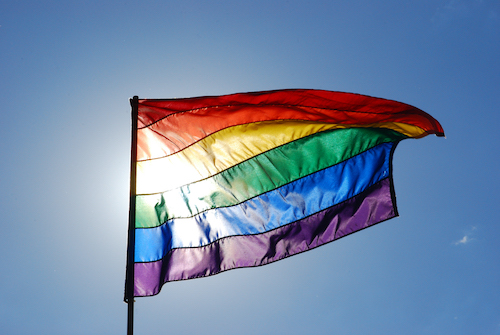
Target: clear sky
x,y
67,70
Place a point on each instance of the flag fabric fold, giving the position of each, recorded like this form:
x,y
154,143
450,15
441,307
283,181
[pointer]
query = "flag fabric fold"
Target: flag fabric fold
x,y
247,179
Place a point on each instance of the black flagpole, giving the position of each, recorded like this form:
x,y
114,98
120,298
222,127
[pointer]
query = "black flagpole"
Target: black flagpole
x,y
129,281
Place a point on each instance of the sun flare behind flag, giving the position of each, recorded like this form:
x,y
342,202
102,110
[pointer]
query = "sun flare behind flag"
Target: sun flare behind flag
x,y
247,179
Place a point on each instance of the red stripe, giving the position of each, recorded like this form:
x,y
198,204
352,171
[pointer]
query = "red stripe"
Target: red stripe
x,y
178,123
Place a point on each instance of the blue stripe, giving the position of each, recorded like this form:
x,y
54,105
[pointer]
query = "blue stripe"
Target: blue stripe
x,y
268,211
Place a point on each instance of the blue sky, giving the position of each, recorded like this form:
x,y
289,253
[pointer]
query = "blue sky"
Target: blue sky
x,y
67,70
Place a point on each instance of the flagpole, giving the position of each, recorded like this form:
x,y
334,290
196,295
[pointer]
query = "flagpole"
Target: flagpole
x,y
129,281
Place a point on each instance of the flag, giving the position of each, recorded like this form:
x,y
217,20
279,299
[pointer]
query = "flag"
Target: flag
x,y
246,179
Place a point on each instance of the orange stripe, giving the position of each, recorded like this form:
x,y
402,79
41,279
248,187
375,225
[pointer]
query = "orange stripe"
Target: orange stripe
x,y
173,125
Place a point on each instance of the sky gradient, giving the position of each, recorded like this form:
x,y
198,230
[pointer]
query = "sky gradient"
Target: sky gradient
x,y
67,71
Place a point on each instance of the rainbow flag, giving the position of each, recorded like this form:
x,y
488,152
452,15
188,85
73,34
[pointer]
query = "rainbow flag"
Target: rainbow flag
x,y
247,179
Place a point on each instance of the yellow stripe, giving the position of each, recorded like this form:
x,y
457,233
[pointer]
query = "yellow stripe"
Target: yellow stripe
x,y
234,145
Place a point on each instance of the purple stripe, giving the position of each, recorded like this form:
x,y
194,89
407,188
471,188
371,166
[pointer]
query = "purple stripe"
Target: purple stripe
x,y
374,205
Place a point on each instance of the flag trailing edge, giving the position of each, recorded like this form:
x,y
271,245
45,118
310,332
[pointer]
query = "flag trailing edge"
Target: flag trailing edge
x,y
247,179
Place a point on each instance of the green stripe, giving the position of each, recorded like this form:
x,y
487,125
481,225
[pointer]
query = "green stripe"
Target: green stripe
x,y
260,174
